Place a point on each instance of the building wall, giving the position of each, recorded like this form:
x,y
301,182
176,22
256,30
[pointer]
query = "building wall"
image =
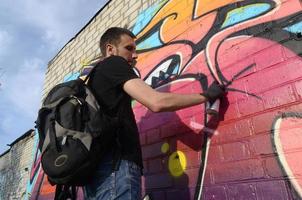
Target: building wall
x,y
15,168
253,47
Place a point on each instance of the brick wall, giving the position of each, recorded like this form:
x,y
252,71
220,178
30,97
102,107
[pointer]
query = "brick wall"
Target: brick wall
x,y
15,168
252,151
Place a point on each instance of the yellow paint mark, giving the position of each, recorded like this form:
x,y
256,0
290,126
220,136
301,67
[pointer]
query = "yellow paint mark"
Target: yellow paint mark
x,y
177,163
206,6
165,148
85,62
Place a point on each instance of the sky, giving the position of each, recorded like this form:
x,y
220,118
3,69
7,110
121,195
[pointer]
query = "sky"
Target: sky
x,y
31,34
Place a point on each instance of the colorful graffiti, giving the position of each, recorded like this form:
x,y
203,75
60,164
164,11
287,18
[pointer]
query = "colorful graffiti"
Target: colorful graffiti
x,y
252,47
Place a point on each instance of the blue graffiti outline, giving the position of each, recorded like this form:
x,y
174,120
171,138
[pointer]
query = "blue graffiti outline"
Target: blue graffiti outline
x,y
32,182
71,76
246,12
150,42
146,16
295,28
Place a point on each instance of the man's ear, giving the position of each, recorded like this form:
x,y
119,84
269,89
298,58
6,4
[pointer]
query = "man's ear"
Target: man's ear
x,y
110,49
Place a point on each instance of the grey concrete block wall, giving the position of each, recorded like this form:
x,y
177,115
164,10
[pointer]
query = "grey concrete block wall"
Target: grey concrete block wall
x,y
15,165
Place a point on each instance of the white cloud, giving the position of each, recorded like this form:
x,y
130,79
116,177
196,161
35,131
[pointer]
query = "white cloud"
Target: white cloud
x,y
20,100
58,22
24,87
7,124
5,40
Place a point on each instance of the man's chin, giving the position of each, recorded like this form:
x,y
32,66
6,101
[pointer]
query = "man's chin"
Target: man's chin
x,y
132,63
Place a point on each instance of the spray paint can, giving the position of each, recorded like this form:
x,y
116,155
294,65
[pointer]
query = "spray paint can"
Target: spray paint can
x,y
213,109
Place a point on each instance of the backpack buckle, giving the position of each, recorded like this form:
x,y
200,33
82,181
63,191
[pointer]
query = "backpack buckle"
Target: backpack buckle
x,y
64,140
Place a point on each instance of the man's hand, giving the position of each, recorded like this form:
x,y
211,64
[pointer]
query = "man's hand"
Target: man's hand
x,y
215,91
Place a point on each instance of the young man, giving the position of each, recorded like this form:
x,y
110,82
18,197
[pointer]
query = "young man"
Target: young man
x,y
115,84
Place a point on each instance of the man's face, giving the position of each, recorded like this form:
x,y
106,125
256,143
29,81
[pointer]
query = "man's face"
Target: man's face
x,y
126,48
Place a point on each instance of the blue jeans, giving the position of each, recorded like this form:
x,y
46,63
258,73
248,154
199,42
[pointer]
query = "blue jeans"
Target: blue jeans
x,y
122,184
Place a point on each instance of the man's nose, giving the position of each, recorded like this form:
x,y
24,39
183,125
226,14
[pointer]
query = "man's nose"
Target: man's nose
x,y
134,55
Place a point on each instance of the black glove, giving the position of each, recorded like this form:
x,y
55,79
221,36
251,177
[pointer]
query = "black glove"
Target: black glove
x,y
215,91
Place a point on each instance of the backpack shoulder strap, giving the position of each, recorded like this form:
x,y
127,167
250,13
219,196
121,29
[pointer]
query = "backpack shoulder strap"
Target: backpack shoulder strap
x,y
94,65
65,192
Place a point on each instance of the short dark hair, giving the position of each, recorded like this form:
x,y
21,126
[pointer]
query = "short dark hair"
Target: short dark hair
x,y
113,36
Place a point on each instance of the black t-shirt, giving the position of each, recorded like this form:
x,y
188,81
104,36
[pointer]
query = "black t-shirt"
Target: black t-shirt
x,y
107,85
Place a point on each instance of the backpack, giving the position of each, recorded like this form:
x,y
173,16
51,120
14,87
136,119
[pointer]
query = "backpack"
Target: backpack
x,y
73,133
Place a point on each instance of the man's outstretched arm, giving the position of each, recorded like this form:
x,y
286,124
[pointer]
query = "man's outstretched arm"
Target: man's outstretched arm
x,y
163,101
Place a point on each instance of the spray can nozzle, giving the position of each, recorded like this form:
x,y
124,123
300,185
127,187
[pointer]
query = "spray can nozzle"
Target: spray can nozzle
x,y
213,109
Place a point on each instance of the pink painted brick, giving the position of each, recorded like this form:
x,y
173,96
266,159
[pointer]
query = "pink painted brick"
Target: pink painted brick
x,y
269,56
271,190
289,144
153,150
208,178
233,53
241,88
274,76
263,122
185,124
244,128
214,192
226,132
188,179
140,112
193,159
278,96
189,141
234,131
235,151
168,130
153,121
288,53
153,135
176,127
197,65
298,86
232,112
272,167
292,108
230,71
261,145
238,171
242,191
142,138
214,155
250,105
189,112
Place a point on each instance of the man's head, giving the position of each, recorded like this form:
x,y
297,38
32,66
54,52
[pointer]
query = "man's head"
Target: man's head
x,y
119,42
